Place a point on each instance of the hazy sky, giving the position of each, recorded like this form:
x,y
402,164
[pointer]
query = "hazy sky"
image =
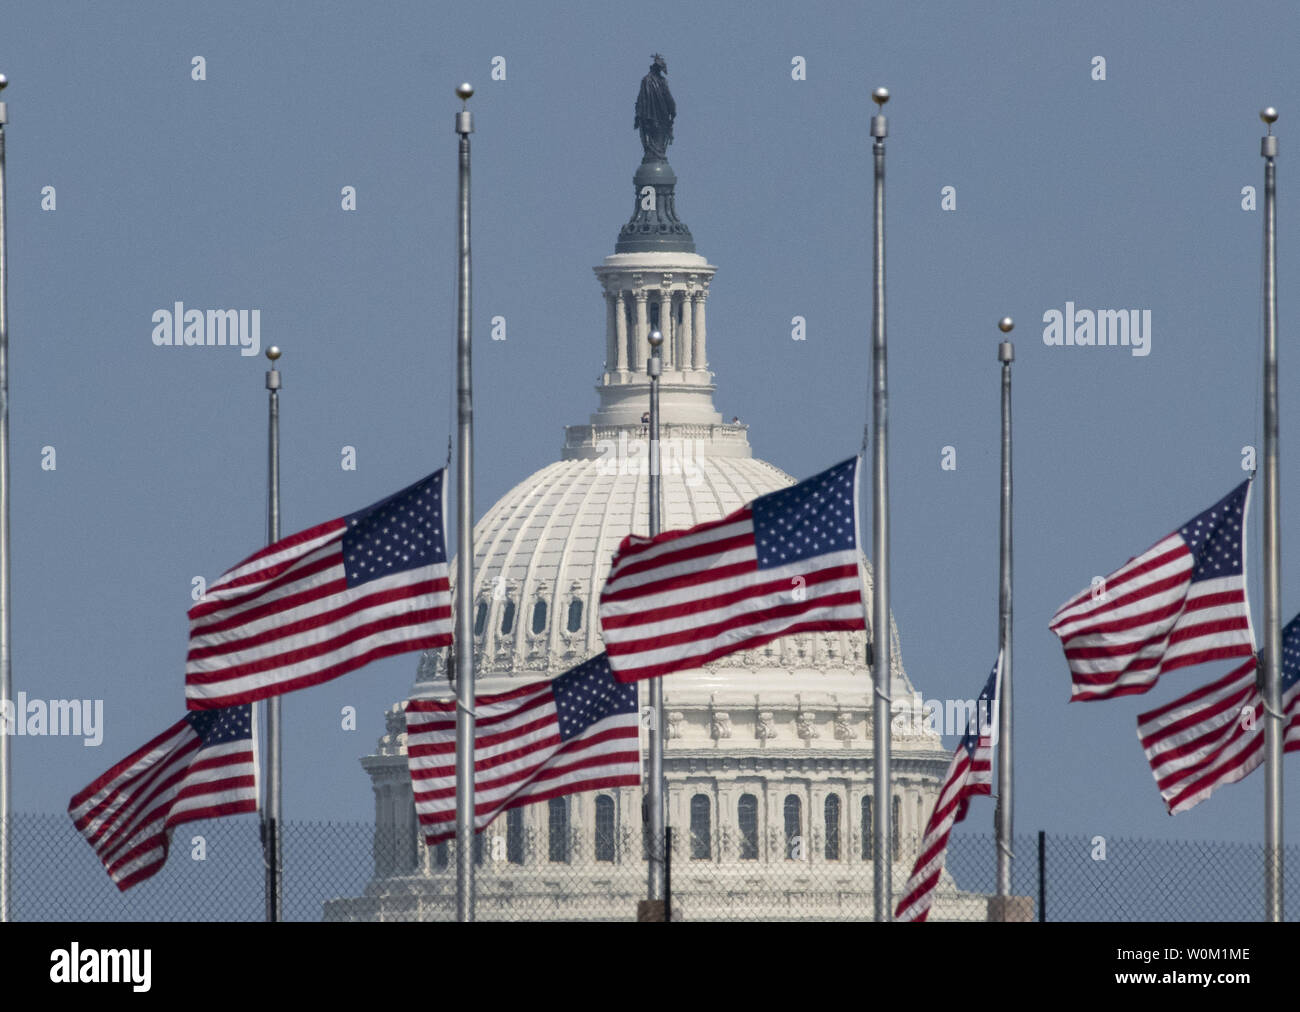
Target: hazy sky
x,y
1122,193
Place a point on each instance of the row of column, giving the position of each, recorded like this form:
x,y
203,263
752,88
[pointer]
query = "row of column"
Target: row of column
x,y
683,343
911,805
397,831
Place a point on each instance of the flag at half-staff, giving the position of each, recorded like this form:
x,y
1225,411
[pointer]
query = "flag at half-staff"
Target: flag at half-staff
x,y
576,732
970,774
1215,735
203,766
786,563
1181,602
325,601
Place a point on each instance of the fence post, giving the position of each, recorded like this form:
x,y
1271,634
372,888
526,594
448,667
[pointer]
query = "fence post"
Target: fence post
x,y
1042,876
668,873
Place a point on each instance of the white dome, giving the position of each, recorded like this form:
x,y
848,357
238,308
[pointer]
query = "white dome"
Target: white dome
x,y
543,552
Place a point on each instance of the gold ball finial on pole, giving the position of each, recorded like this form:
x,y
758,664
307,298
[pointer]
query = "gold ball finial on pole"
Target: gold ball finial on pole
x,y
1268,115
273,352
464,91
880,96
1006,350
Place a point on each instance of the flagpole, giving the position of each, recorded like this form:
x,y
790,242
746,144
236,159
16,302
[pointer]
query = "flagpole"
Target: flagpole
x,y
464,635
1003,812
6,668
1272,652
880,645
655,791
272,850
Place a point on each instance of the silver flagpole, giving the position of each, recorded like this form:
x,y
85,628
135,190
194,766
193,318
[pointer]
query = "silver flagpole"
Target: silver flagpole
x,y
1003,812
464,636
6,669
1272,652
880,659
655,791
272,850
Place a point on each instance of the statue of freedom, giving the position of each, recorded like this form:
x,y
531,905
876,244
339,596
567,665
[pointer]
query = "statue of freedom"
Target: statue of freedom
x,y
655,112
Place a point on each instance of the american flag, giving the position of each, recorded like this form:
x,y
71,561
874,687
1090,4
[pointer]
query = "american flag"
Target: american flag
x,y
969,774
1215,735
203,766
576,732
1181,602
325,601
786,563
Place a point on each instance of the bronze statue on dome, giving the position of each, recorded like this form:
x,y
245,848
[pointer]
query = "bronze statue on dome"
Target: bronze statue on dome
x,y
655,112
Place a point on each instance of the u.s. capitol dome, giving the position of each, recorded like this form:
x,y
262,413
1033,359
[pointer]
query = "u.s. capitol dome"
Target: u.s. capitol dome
x,y
768,754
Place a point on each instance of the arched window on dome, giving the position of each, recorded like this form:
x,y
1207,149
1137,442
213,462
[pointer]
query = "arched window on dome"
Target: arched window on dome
x,y
480,618
604,828
747,813
539,617
515,836
507,617
557,824
832,810
440,855
793,828
575,615
896,827
868,832
701,828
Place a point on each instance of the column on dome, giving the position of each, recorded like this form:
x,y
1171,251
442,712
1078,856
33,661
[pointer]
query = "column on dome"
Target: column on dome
x,y
666,325
725,835
620,331
408,829
610,338
850,816
642,332
581,822
698,359
679,820
688,349
383,831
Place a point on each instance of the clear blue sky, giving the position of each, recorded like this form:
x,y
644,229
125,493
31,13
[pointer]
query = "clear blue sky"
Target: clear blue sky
x,y
1115,194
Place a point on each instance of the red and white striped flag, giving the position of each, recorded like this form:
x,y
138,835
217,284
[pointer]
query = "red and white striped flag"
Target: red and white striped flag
x,y
1181,602
786,563
576,732
970,774
203,766
1215,735
325,601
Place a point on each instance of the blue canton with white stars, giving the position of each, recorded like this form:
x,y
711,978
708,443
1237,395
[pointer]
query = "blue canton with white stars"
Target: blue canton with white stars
x,y
399,533
813,518
1215,536
216,727
1290,666
588,693
983,713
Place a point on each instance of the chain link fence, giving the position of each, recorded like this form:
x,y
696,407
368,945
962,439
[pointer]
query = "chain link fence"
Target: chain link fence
x,y
215,873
